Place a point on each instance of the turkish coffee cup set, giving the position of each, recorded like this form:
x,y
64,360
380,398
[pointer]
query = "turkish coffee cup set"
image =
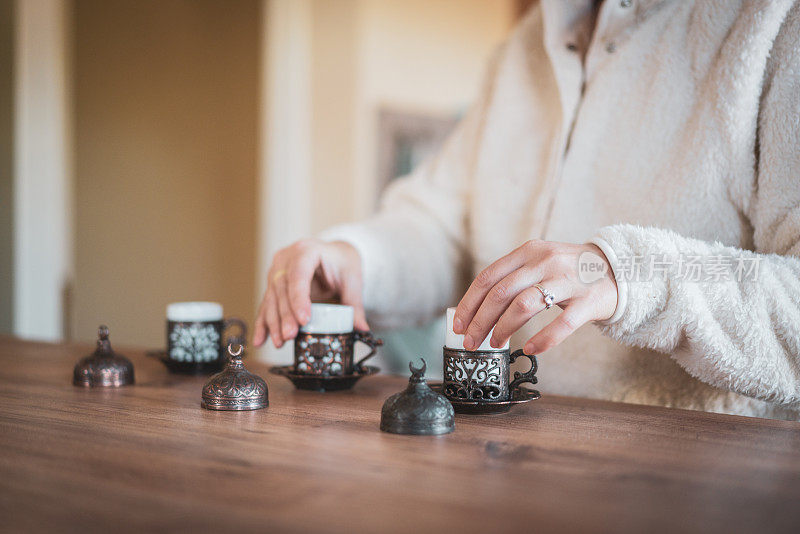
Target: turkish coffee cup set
x,y
474,381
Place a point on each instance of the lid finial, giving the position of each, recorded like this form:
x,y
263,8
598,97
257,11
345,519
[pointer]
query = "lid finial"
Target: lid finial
x,y
418,373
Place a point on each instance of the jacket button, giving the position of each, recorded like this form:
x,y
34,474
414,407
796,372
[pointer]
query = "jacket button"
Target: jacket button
x,y
626,3
611,48
572,47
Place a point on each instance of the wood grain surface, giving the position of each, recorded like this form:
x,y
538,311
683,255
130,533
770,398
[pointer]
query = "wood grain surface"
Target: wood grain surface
x,y
148,458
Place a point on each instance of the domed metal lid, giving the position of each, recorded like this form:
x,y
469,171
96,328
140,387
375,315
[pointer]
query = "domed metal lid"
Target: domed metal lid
x,y
104,367
418,410
235,388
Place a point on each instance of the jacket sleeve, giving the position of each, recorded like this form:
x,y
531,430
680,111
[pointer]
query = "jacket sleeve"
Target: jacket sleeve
x,y
736,325
414,250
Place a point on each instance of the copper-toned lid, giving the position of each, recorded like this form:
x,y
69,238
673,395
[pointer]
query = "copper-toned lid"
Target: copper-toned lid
x,y
418,409
235,388
103,368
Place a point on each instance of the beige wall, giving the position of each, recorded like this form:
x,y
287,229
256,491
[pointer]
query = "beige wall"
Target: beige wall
x,y
6,166
429,54
335,42
166,150
417,55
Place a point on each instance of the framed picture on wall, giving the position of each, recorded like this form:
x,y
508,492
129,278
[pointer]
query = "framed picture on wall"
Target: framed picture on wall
x,y
406,138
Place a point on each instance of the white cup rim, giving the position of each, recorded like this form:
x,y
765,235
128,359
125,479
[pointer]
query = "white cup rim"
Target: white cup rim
x,y
456,341
194,311
329,319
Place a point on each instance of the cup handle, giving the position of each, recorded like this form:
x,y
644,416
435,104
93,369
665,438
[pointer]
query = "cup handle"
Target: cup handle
x,y
529,375
241,339
372,342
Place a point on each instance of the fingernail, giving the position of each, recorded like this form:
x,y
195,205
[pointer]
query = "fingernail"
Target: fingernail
x,y
468,342
529,348
458,325
495,344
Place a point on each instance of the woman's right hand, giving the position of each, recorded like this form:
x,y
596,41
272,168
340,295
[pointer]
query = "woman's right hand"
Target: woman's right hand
x,y
308,269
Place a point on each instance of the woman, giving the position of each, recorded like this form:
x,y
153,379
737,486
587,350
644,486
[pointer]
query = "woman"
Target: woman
x,y
663,134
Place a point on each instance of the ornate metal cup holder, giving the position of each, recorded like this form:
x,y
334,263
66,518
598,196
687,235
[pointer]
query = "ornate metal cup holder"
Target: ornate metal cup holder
x,y
519,395
311,382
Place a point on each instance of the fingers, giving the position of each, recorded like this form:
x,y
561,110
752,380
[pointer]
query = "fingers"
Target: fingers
x,y
496,302
351,295
288,323
273,318
287,301
300,274
260,327
557,331
524,306
481,286
360,318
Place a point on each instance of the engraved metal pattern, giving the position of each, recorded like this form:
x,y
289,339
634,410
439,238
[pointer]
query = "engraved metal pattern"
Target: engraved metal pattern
x,y
417,410
483,375
196,347
476,375
104,367
235,388
194,342
323,354
518,396
331,354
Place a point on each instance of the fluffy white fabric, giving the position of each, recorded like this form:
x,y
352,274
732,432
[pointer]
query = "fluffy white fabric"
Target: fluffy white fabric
x,y
677,133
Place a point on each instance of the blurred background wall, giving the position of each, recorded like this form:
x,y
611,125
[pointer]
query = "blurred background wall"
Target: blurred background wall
x,y
205,134
166,111
6,165
43,154
420,57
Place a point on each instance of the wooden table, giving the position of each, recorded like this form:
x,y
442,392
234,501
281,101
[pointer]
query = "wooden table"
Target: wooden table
x,y
147,457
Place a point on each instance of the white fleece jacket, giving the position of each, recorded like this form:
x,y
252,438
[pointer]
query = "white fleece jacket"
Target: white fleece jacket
x,y
671,134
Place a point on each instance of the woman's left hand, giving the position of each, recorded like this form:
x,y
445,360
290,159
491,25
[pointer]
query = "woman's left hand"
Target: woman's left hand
x,y
504,295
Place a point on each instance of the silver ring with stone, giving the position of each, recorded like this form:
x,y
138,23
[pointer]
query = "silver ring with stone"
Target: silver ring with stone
x,y
549,298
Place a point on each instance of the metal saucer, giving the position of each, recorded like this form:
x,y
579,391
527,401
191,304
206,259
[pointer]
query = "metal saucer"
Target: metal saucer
x,y
323,383
185,368
519,395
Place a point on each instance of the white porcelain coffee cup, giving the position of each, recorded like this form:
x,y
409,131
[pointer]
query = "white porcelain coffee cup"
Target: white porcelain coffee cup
x,y
456,341
325,344
329,319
